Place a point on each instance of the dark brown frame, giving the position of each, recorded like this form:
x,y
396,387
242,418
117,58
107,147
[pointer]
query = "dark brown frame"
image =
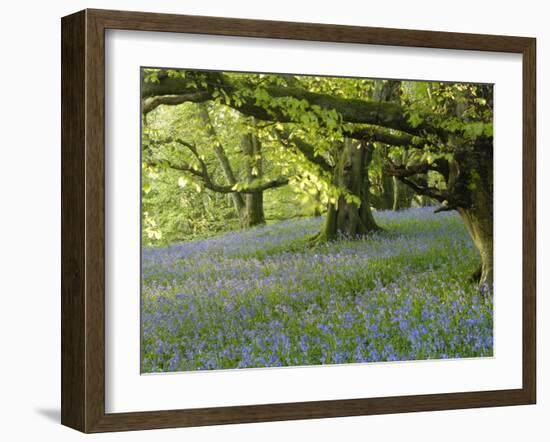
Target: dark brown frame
x,y
83,215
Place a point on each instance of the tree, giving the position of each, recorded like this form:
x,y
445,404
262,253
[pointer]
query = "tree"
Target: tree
x,y
351,213
254,201
463,161
446,130
246,194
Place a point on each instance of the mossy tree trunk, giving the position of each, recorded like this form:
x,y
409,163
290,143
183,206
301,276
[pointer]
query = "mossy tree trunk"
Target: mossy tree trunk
x,y
351,176
479,222
478,215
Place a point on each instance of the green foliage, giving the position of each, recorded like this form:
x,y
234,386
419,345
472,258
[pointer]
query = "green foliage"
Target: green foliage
x,y
177,206
180,203
172,212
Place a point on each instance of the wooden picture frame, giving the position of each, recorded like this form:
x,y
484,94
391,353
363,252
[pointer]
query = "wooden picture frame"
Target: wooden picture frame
x,y
83,220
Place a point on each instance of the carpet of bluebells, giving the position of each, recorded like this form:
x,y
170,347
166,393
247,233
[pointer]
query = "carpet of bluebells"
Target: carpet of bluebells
x,y
263,298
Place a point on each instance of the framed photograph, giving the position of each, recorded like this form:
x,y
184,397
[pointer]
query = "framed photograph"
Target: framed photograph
x,y
267,220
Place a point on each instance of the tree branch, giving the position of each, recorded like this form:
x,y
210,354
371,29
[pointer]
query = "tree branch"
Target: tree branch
x,y
409,171
381,135
149,104
386,114
205,177
428,191
305,148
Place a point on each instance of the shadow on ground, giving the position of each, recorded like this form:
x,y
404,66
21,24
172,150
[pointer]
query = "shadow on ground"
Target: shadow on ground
x,y
51,414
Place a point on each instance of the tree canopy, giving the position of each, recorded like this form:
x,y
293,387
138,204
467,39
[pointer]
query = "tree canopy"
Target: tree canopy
x,y
224,149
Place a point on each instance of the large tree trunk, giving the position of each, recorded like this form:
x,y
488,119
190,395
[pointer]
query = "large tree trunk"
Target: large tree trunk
x,y
254,201
479,222
350,175
478,216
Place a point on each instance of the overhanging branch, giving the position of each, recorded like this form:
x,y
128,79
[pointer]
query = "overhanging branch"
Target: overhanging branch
x,y
352,110
149,104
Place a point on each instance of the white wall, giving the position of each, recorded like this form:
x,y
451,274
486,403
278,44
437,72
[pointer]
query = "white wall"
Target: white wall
x,y
30,217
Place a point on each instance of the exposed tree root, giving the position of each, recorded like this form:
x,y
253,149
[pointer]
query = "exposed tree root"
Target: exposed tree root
x,y
476,275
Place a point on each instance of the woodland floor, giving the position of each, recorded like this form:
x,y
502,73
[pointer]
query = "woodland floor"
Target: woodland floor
x,y
263,298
